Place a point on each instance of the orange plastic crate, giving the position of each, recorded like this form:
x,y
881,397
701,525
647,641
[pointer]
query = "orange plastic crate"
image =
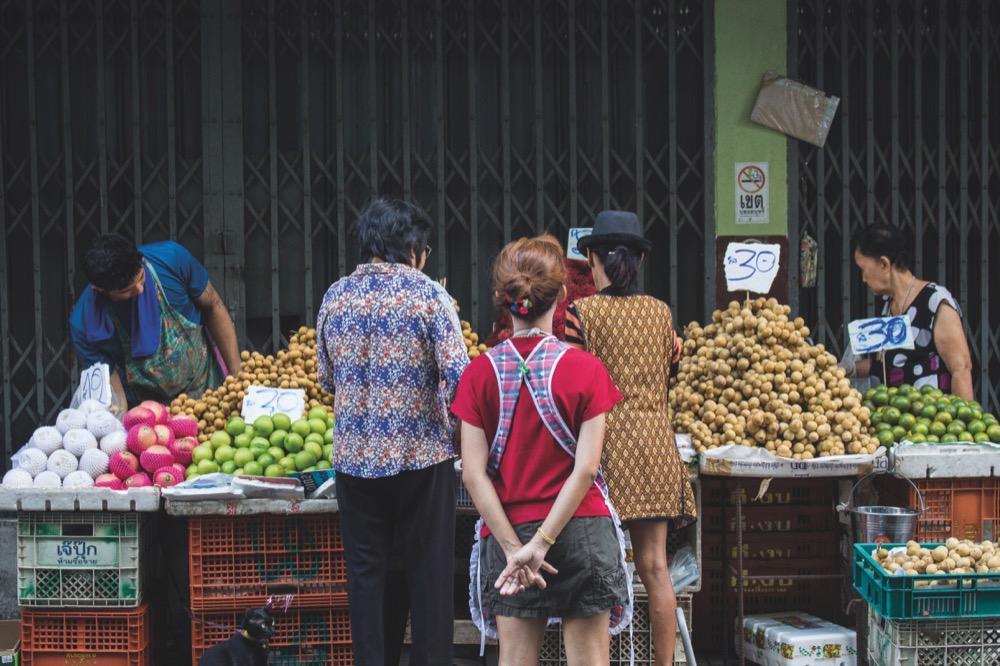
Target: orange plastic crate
x,y
74,636
965,508
313,637
239,562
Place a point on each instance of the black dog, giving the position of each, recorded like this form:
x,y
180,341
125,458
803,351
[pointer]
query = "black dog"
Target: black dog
x,y
248,646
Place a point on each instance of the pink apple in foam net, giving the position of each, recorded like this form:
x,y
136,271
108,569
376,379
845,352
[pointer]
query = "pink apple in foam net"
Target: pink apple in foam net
x,y
108,481
179,471
138,416
156,457
138,480
160,411
167,477
164,435
183,448
141,437
123,464
184,426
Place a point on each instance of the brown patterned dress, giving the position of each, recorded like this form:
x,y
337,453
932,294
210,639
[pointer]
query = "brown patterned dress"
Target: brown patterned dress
x,y
633,335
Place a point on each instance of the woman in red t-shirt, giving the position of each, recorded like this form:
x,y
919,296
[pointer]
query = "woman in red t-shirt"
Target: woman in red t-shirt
x,y
532,413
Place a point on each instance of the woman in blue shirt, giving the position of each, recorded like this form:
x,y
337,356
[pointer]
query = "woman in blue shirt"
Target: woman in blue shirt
x,y
152,315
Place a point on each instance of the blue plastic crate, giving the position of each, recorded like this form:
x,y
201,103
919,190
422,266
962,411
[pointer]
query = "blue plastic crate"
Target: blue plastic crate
x,y
956,596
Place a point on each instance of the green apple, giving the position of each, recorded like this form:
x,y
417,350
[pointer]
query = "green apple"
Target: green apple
x,y
301,427
220,438
274,470
242,457
277,437
263,426
238,471
208,467
236,426
282,422
304,459
224,454
315,449
323,464
317,426
253,468
228,467
242,440
266,460
294,442
191,470
203,452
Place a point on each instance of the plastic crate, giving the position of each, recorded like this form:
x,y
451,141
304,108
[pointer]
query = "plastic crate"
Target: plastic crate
x,y
75,637
553,654
84,559
961,508
959,596
240,562
961,642
314,637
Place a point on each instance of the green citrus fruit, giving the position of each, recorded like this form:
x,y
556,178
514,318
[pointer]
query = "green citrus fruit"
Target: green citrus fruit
x,y
236,426
263,426
282,422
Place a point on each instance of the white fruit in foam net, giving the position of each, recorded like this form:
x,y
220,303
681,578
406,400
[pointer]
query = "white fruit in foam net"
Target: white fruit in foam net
x,y
78,479
115,442
32,461
17,478
94,462
78,441
89,407
46,439
47,479
62,462
100,424
70,419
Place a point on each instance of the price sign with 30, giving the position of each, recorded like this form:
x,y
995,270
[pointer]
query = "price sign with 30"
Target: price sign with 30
x,y
751,266
266,401
880,333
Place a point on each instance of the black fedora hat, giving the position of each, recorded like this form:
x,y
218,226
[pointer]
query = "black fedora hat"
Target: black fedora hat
x,y
615,227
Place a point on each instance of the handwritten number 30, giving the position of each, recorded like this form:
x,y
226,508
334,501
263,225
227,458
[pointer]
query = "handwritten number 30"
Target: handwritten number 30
x,y
879,333
754,262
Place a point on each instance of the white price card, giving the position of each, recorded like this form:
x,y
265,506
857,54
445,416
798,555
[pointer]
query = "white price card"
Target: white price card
x,y
751,266
880,333
267,401
95,384
575,234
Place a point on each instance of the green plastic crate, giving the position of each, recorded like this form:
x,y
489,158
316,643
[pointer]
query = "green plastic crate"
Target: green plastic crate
x,y
83,559
964,596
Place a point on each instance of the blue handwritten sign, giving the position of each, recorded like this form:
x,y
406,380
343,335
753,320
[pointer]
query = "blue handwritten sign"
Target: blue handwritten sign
x,y
751,266
267,401
575,234
880,333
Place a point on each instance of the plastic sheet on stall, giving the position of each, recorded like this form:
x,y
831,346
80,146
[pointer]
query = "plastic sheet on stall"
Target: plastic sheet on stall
x,y
736,460
208,487
794,109
685,447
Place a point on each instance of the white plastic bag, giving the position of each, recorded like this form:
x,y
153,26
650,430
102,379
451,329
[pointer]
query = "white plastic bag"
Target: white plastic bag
x,y
684,570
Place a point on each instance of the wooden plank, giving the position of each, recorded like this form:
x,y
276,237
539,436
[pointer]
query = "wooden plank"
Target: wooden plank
x,y
102,122
272,146
136,125
171,124
36,233
473,160
67,157
307,202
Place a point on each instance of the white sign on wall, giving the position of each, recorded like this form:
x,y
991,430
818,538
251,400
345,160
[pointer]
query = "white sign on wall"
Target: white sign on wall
x,y
751,266
575,234
751,193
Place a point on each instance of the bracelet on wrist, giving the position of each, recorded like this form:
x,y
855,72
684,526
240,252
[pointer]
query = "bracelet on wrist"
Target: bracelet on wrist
x,y
545,537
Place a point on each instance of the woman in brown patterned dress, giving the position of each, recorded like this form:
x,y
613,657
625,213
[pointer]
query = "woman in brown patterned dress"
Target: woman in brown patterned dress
x,y
632,334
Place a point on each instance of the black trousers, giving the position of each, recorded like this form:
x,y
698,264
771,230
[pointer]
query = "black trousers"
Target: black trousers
x,y
417,510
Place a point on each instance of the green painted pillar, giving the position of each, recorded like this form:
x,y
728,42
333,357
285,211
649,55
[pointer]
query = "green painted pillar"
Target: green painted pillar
x,y
750,38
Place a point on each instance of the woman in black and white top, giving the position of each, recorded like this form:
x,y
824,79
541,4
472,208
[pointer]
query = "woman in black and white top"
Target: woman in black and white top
x,y
940,356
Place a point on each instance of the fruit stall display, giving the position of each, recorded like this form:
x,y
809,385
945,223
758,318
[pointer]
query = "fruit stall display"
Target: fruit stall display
x,y
89,447
927,415
270,446
751,377
294,367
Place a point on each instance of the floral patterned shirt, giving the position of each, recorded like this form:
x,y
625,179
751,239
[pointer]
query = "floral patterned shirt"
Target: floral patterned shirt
x,y
389,345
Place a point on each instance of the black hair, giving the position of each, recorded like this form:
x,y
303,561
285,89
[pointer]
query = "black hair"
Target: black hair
x,y
881,240
112,262
621,265
390,229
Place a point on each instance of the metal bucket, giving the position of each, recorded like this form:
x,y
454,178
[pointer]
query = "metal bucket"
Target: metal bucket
x,y
882,524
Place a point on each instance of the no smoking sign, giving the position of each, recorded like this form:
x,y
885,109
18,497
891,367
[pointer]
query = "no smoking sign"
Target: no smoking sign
x,y
751,193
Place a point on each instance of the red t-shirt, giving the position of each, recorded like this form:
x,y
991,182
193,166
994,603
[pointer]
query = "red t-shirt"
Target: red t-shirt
x,y
534,466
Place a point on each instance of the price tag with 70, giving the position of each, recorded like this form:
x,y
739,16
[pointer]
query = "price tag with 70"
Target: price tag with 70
x,y
880,333
751,266
266,401
95,384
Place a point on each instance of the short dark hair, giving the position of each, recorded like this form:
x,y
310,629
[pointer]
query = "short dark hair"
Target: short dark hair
x,y
882,240
112,262
621,264
390,229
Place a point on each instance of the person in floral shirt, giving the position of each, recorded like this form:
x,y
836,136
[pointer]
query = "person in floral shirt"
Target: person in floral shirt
x,y
390,347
